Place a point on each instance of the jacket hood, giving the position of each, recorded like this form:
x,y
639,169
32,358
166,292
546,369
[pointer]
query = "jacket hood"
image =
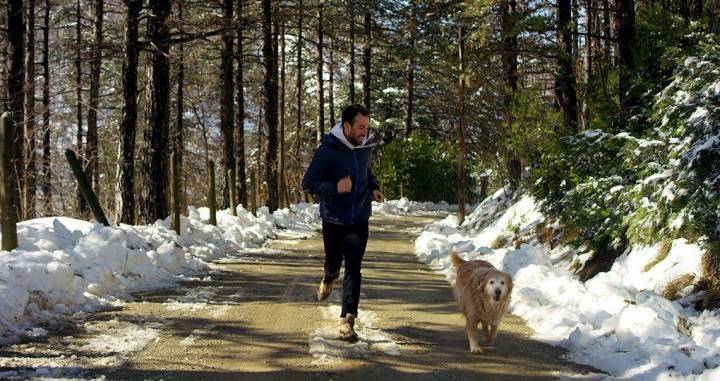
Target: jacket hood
x,y
337,132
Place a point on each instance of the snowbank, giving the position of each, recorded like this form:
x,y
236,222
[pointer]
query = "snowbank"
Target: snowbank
x,y
616,322
403,206
64,266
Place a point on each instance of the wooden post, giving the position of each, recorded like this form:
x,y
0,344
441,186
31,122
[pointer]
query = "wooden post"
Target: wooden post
x,y
211,196
85,188
231,179
8,180
175,193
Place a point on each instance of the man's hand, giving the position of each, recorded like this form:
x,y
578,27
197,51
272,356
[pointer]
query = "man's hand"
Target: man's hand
x,y
344,185
378,196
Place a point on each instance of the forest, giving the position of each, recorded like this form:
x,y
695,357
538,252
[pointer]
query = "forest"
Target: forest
x,y
606,111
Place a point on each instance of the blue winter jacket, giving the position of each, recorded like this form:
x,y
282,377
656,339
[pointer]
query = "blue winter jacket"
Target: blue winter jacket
x,y
332,161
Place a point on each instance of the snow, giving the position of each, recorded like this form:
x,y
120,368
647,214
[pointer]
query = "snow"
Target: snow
x,y
617,321
63,266
327,348
404,206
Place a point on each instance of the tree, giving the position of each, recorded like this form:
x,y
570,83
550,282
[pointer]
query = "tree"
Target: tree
x,y
91,147
125,200
16,89
30,171
510,76
320,130
461,126
625,36
564,75
367,50
154,196
82,207
271,110
226,102
240,114
410,69
45,174
177,135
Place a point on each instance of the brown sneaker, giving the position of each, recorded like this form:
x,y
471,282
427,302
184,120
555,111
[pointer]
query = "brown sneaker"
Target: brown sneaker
x,y
324,290
347,328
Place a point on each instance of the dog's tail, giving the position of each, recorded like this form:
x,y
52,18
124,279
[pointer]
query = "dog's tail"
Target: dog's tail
x,y
456,260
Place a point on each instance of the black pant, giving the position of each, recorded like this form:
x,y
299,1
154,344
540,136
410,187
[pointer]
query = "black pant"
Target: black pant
x,y
348,242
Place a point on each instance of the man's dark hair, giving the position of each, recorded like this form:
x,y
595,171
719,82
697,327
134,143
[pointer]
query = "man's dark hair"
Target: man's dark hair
x,y
350,112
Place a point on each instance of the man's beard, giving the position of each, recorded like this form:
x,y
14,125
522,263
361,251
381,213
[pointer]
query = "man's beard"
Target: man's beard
x,y
355,141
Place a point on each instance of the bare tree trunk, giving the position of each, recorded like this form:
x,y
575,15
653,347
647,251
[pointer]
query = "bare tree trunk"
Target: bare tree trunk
x,y
351,67
16,90
587,61
125,201
226,104
320,130
564,76
331,79
46,185
240,114
154,195
271,94
177,136
625,37
607,31
461,127
30,126
91,152
410,69
281,138
82,207
367,50
509,63
298,96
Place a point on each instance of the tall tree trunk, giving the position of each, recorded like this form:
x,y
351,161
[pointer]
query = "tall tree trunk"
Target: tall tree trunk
x,y
331,78
46,186
461,127
177,136
320,130
607,31
91,148
30,172
565,92
125,199
509,63
367,51
587,61
626,36
410,69
16,90
153,196
82,207
226,103
240,114
281,136
271,95
298,95
351,65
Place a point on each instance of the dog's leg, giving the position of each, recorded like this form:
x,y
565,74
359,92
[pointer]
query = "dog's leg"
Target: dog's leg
x,y
493,334
486,332
471,328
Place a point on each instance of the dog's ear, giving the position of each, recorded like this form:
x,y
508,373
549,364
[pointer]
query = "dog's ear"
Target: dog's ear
x,y
509,282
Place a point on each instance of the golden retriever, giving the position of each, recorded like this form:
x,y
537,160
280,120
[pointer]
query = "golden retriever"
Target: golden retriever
x,y
482,293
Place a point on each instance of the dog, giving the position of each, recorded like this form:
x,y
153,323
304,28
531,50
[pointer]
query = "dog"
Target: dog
x,y
482,293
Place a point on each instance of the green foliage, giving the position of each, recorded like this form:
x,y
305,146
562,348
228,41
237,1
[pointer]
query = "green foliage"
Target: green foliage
x,y
534,124
420,168
664,184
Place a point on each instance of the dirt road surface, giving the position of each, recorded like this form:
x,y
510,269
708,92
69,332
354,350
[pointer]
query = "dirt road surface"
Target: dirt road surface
x,y
255,317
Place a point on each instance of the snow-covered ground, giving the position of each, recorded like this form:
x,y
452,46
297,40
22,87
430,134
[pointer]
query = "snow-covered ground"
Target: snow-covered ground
x,y
617,322
65,267
404,206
